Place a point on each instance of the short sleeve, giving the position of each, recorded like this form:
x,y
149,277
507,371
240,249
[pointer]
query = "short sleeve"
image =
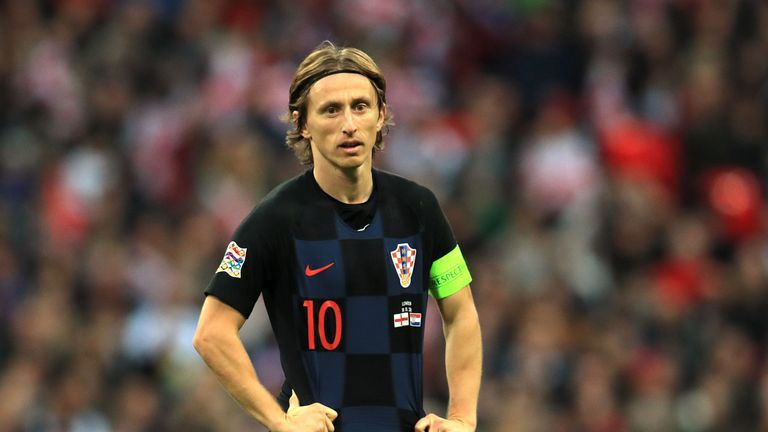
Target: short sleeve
x,y
242,272
448,271
441,233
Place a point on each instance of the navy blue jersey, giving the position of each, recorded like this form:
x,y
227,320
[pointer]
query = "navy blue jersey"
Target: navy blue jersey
x,y
347,304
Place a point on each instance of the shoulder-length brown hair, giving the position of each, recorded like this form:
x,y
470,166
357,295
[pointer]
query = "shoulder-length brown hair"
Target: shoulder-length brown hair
x,y
325,60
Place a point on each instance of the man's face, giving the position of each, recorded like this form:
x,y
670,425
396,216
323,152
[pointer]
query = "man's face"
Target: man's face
x,y
343,118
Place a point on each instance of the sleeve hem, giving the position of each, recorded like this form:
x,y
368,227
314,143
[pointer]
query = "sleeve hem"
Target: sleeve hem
x,y
452,289
230,302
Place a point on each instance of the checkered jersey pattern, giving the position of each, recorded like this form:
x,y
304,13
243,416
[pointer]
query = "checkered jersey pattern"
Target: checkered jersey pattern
x,y
362,361
348,325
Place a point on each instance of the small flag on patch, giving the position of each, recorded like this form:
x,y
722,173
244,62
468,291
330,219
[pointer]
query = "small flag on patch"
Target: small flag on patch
x,y
415,319
232,263
401,319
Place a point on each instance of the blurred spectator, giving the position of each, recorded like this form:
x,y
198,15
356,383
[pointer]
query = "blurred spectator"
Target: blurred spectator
x,y
605,163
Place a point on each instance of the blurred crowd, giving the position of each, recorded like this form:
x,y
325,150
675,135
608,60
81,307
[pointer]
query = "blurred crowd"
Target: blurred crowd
x,y
603,164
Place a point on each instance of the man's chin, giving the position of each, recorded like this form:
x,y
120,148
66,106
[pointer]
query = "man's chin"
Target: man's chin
x,y
351,162
346,162
350,166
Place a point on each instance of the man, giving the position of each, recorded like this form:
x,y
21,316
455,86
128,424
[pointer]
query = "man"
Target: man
x,y
344,256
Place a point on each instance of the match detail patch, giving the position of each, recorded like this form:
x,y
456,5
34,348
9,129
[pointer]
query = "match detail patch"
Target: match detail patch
x,y
407,317
449,274
232,263
404,260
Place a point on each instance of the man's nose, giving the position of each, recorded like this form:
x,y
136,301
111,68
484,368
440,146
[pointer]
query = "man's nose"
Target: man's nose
x,y
349,127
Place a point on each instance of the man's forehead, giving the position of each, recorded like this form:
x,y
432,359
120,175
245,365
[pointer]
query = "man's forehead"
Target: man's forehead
x,y
340,84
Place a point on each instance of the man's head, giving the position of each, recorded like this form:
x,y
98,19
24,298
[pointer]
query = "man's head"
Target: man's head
x,y
337,95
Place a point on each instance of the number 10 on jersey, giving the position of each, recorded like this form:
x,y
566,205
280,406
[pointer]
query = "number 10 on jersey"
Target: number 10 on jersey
x,y
328,310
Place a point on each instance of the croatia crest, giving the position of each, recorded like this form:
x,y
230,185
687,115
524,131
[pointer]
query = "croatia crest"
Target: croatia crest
x,y
404,259
232,263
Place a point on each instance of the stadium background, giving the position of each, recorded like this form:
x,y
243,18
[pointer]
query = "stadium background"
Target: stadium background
x,y
603,164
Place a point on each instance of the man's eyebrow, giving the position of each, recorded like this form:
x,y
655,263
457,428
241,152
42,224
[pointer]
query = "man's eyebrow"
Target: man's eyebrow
x,y
328,104
336,104
359,99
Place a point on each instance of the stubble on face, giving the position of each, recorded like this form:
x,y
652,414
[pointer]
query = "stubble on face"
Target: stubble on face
x,y
343,119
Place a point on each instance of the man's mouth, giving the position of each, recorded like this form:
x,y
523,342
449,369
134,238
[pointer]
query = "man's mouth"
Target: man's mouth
x,y
350,144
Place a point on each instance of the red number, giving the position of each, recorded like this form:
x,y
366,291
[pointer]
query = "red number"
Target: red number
x,y
330,346
310,323
321,325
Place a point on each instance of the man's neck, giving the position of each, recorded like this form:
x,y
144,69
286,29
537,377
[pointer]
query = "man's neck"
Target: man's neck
x,y
353,186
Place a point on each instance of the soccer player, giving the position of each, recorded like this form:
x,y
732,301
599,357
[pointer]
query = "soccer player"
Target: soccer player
x,y
344,256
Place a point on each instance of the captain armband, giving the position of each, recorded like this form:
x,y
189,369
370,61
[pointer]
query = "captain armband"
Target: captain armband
x,y
449,274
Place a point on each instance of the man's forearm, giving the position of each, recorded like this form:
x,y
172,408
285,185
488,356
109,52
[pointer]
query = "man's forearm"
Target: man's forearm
x,y
226,357
463,363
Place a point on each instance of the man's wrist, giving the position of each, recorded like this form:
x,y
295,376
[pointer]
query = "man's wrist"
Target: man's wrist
x,y
471,422
278,423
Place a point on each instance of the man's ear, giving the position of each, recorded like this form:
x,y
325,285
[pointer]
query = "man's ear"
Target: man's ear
x,y
295,120
382,116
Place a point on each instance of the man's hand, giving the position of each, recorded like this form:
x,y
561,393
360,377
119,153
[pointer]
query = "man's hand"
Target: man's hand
x,y
435,423
311,418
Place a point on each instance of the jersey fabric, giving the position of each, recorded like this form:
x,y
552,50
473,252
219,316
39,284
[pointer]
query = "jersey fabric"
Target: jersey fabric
x,y
345,288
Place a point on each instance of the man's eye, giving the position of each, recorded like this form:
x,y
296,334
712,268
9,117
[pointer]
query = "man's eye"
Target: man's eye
x,y
331,110
361,106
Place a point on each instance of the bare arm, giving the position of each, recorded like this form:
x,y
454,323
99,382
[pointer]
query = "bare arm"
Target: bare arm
x,y
463,354
463,364
218,342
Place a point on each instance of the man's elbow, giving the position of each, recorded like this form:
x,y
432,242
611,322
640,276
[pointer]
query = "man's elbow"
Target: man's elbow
x,y
203,340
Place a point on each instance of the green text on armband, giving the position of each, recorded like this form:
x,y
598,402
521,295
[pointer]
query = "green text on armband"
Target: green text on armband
x,y
449,274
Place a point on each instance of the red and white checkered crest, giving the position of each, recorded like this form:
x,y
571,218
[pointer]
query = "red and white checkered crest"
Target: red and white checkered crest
x,y
404,259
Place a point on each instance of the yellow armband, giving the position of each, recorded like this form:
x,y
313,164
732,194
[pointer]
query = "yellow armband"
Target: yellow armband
x,y
449,274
